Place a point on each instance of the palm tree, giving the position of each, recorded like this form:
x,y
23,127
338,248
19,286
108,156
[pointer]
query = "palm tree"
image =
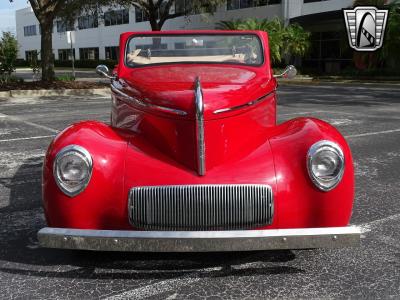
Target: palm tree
x,y
229,25
292,40
276,33
297,40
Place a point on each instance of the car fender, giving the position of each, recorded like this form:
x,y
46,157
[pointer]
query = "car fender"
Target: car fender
x,y
102,204
299,203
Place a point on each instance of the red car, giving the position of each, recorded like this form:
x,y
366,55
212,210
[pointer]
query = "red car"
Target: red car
x,y
194,159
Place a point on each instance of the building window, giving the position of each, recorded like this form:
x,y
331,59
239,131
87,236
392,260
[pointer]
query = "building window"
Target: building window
x,y
112,52
31,55
89,53
140,15
63,26
90,21
328,53
116,17
238,4
30,30
65,54
186,6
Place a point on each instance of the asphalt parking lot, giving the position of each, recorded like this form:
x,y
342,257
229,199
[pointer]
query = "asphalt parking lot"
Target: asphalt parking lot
x,y
369,116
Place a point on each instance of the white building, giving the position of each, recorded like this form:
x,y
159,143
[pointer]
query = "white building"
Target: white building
x,y
98,39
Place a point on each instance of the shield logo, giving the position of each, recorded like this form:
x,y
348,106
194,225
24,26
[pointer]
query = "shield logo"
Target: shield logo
x,y
365,27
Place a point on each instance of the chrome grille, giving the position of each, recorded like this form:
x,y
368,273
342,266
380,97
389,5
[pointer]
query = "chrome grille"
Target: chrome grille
x,y
201,207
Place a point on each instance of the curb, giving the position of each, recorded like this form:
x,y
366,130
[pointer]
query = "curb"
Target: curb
x,y
5,94
308,81
60,92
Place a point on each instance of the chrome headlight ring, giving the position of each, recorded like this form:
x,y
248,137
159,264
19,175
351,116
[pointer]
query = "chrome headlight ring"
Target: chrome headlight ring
x,y
325,164
72,169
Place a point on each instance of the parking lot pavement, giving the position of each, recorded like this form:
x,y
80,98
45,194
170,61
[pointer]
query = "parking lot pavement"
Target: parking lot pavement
x,y
368,117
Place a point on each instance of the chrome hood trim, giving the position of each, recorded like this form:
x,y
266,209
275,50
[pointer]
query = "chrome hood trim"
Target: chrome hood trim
x,y
238,107
199,106
116,87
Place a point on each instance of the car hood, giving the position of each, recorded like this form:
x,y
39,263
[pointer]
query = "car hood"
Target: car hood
x,y
223,86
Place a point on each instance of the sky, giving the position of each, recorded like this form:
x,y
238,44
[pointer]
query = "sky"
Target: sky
x,y
7,13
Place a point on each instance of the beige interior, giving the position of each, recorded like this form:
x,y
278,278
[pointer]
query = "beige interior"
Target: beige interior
x,y
134,57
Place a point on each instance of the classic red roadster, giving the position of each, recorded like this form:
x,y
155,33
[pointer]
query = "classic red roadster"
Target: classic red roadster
x,y
194,159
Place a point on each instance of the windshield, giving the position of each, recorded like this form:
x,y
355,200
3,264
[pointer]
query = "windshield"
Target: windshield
x,y
243,49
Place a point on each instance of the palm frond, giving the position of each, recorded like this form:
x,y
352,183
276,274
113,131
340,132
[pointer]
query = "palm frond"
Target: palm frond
x,y
283,41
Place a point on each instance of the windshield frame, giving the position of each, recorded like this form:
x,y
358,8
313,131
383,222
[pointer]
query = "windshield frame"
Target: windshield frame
x,y
160,34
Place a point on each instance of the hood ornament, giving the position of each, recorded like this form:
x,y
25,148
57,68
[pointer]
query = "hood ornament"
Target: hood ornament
x,y
199,106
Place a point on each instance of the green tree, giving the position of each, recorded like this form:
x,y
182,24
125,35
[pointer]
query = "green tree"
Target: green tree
x,y
159,11
296,40
391,44
8,55
229,25
46,12
288,41
388,55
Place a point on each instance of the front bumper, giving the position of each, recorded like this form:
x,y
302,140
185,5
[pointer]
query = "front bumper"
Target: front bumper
x,y
199,241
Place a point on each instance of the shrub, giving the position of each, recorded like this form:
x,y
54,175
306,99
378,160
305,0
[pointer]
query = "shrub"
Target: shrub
x,y
11,79
8,55
21,63
65,78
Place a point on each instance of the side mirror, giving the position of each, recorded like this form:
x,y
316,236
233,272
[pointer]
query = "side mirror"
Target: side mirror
x,y
104,71
289,73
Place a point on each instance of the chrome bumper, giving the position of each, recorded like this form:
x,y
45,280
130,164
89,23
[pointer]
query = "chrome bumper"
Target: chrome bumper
x,y
199,241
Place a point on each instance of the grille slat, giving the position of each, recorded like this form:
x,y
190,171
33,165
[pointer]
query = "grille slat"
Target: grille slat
x,y
201,207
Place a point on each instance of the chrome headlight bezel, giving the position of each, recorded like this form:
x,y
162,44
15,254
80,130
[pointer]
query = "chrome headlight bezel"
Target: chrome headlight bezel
x,y
324,145
83,154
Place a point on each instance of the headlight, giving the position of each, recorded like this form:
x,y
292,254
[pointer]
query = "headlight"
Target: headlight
x,y
325,163
72,169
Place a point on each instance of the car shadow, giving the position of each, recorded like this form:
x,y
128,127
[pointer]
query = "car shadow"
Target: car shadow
x,y
21,255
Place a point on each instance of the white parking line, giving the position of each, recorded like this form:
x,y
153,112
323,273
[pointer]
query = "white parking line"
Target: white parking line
x,y
367,227
367,86
363,114
162,286
305,113
360,114
190,278
372,133
27,138
155,289
29,123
